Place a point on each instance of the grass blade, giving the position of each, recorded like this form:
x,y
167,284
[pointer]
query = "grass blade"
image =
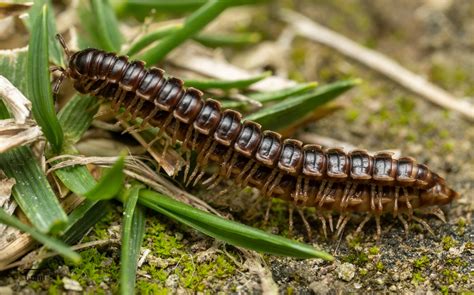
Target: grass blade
x,y
76,116
265,97
55,50
295,108
133,231
226,84
231,39
32,191
82,219
193,24
49,242
148,39
106,26
110,184
39,88
228,231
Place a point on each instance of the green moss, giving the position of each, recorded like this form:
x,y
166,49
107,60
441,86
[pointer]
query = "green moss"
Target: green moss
x,y
145,287
96,267
458,261
363,272
417,278
461,226
374,250
448,242
421,262
379,266
444,290
351,115
358,258
449,276
469,245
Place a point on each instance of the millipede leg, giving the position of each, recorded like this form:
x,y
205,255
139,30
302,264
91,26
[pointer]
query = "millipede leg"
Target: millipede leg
x,y
269,181
290,220
342,225
174,137
121,95
407,202
320,194
231,164
137,109
306,223
372,198
149,117
406,229
267,212
362,224
298,191
424,223
323,224
200,161
329,217
163,127
379,228
218,180
251,173
246,168
275,183
395,201
438,213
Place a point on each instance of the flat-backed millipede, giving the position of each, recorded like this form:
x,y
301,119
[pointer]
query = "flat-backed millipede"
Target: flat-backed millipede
x,y
307,175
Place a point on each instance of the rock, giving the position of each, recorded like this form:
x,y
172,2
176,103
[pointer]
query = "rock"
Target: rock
x,y
71,285
172,282
346,271
320,287
6,290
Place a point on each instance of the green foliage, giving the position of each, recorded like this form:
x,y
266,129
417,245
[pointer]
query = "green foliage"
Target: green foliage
x,y
49,242
229,231
110,184
39,88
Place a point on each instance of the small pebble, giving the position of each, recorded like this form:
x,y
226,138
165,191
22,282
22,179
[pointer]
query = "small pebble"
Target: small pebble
x,y
346,271
71,285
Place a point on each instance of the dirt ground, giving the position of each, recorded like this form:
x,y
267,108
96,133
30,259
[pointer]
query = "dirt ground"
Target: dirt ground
x,y
432,38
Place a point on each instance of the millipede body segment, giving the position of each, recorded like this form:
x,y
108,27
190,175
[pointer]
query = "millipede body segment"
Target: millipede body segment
x,y
308,175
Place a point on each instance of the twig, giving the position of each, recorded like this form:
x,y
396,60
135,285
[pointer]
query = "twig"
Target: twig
x,y
378,62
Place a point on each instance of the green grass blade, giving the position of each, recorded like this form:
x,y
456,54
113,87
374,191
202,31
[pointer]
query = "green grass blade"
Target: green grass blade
x,y
133,230
226,84
193,24
39,87
55,51
154,36
142,8
49,242
32,191
82,219
110,184
76,116
106,26
270,96
293,109
228,231
265,97
231,39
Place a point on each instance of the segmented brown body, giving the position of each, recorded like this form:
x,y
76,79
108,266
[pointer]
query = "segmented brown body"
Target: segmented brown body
x,y
328,179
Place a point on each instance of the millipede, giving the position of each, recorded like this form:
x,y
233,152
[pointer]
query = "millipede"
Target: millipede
x,y
307,175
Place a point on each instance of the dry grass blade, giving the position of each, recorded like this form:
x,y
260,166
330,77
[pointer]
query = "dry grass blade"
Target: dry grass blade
x,y
16,102
137,169
13,134
378,62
